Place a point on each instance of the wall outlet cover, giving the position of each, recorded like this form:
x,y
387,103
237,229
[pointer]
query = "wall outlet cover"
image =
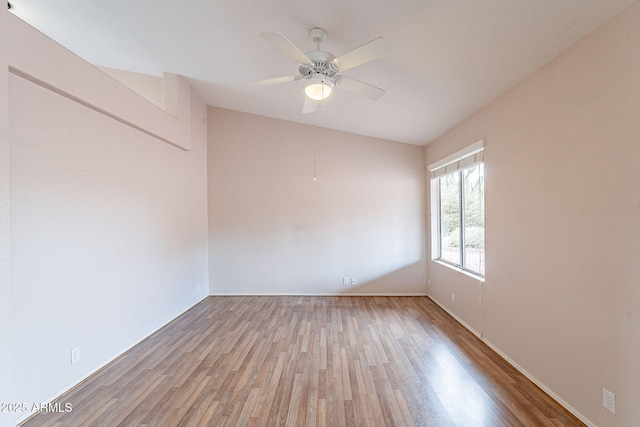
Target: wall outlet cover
x,y
608,401
75,355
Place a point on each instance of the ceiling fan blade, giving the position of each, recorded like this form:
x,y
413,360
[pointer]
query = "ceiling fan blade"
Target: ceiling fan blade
x,y
359,88
272,81
286,47
309,106
367,52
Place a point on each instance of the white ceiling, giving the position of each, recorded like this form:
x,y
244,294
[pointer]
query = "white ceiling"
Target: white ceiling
x,y
450,57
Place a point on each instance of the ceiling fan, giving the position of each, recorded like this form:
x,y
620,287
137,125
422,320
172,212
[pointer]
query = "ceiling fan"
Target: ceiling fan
x,y
321,70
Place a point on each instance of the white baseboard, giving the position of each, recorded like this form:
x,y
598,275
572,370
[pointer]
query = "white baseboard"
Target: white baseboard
x,y
28,415
459,320
539,384
519,368
330,294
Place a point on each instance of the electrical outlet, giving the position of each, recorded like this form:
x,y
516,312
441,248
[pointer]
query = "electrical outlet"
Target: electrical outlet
x,y
453,298
75,355
608,401
345,281
354,281
429,281
197,286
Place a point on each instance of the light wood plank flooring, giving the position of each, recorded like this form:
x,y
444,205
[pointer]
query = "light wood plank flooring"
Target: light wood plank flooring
x,y
310,361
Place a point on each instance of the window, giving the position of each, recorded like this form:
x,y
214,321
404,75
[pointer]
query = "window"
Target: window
x,y
457,210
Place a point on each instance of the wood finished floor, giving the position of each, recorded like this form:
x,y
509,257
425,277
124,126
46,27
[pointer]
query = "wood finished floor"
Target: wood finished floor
x,y
310,361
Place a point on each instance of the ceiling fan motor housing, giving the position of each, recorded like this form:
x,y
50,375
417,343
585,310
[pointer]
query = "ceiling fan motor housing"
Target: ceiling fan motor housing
x,y
322,64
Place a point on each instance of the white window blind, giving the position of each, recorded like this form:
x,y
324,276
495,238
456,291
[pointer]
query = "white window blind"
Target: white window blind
x,y
461,159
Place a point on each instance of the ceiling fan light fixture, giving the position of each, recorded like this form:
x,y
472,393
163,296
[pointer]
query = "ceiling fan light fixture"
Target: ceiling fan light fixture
x,y
318,87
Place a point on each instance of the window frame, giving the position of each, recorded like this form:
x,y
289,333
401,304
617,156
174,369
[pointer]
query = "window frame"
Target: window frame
x,y
456,163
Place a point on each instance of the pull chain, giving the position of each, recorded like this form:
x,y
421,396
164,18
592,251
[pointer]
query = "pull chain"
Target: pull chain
x,y
314,147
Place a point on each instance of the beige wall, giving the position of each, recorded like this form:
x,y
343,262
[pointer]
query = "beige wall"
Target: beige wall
x,y
562,291
149,87
273,230
108,224
6,288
